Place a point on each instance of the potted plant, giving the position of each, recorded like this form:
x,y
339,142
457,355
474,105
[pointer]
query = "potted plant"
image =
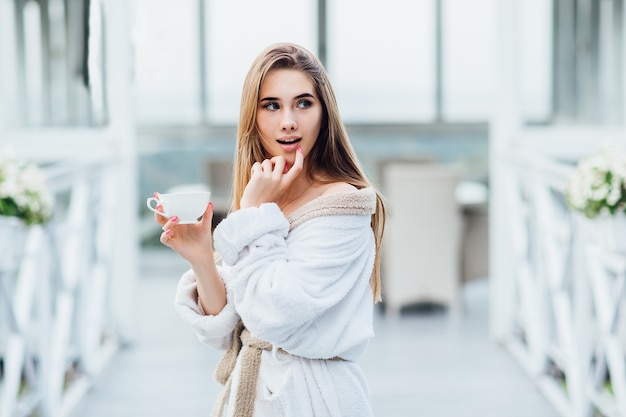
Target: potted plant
x,y
598,190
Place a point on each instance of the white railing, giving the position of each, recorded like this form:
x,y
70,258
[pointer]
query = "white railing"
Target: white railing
x,y
567,324
58,324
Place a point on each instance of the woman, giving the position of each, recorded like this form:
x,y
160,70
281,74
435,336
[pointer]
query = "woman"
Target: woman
x,y
292,296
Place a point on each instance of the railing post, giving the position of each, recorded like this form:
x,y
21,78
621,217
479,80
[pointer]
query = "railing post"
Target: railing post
x,y
18,357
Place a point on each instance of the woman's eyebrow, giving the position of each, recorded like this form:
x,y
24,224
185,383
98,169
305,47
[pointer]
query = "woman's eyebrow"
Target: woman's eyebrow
x,y
303,95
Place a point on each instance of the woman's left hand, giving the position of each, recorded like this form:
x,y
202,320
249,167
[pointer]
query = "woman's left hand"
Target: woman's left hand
x,y
270,179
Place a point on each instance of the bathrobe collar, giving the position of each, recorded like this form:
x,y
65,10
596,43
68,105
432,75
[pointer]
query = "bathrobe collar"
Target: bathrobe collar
x,y
357,202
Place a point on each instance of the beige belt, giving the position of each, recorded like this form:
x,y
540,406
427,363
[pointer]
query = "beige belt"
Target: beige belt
x,y
250,365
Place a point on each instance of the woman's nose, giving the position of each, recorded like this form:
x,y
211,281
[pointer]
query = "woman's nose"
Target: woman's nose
x,y
288,122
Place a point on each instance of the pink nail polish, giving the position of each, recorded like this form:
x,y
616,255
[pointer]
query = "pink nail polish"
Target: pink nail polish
x,y
174,219
156,195
168,232
299,149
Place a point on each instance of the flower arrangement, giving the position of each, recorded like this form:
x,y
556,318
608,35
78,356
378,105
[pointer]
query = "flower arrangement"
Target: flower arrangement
x,y
22,190
599,184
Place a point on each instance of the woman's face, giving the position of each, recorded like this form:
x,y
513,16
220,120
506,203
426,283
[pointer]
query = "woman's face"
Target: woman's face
x,y
289,114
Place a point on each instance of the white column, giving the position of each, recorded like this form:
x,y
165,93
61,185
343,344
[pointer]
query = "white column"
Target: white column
x,y
623,67
121,128
9,104
505,126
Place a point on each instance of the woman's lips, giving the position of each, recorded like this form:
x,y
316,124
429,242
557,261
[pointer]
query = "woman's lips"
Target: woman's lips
x,y
289,144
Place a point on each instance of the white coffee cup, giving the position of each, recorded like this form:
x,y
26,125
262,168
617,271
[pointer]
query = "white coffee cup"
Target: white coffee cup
x,y
188,206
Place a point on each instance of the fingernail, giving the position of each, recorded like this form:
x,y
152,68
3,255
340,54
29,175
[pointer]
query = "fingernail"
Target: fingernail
x,y
299,149
156,195
211,205
168,232
159,207
174,219
286,168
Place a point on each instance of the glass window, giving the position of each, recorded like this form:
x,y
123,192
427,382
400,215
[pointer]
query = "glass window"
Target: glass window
x,y
236,32
536,59
33,59
469,42
167,66
381,59
468,48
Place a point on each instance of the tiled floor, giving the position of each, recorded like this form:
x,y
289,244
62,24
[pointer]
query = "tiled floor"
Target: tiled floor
x,y
424,363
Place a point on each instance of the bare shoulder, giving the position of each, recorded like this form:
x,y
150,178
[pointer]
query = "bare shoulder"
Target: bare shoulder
x,y
337,187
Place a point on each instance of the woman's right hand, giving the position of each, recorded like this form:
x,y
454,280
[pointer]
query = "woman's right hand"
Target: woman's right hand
x,y
193,242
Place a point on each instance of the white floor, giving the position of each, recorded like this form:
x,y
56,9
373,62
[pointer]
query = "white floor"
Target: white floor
x,y
423,363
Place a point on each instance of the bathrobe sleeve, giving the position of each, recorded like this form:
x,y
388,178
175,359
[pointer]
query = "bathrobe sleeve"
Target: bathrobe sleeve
x,y
306,290
212,330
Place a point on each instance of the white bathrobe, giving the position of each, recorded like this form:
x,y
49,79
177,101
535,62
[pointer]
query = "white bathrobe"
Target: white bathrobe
x,y
301,283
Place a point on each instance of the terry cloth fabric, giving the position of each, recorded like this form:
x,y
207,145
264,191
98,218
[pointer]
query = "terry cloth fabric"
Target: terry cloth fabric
x,y
250,365
301,286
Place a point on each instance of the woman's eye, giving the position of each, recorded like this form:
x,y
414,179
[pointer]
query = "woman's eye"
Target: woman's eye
x,y
271,106
304,104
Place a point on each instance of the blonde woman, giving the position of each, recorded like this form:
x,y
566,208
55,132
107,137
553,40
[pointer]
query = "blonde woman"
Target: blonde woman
x,y
291,298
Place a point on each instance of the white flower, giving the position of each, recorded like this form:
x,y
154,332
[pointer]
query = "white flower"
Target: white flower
x,y
599,183
601,192
23,190
614,196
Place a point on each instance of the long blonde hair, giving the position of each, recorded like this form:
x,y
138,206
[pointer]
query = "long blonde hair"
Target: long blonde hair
x,y
332,155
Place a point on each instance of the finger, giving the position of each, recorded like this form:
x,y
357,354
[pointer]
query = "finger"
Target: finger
x,y
166,236
170,223
256,167
208,214
296,169
299,162
267,166
280,165
159,218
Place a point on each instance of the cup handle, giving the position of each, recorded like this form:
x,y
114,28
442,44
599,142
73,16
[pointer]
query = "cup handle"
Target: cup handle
x,y
156,200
